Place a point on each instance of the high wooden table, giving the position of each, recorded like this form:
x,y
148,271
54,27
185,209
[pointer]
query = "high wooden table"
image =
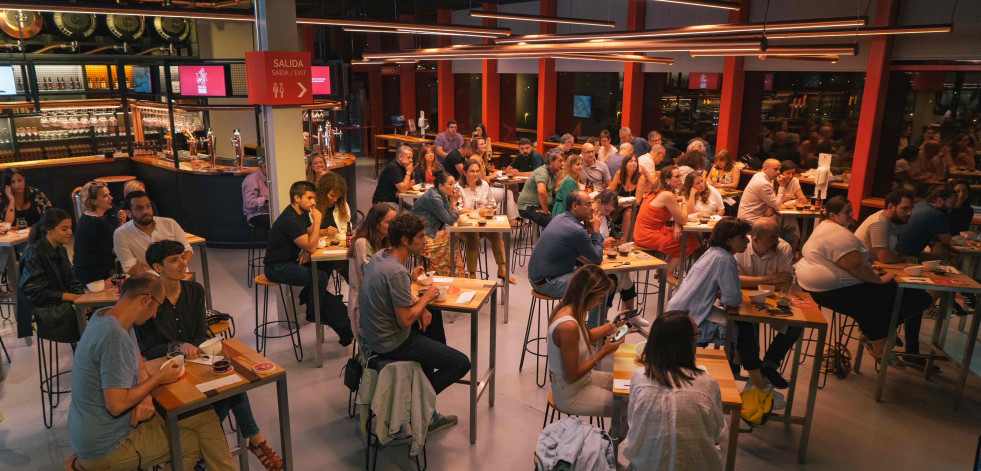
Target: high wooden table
x,y
805,313
807,217
182,398
202,244
948,286
717,366
331,253
403,139
499,225
9,241
412,194
483,291
637,261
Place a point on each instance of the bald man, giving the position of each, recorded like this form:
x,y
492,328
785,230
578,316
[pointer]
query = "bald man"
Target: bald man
x,y
596,172
768,260
760,198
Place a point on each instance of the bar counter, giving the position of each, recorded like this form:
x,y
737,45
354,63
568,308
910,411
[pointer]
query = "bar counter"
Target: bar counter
x,y
203,201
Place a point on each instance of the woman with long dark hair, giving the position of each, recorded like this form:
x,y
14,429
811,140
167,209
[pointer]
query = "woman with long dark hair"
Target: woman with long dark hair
x,y
370,236
19,200
707,199
675,410
628,181
426,165
577,388
48,286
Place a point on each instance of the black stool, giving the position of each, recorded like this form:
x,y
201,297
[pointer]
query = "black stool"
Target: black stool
x,y
523,241
292,326
372,444
548,302
50,385
255,253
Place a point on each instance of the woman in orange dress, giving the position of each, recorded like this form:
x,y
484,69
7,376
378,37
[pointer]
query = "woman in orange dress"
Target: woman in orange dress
x,y
651,230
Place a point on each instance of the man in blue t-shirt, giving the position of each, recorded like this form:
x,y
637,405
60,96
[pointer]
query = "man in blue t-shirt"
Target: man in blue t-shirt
x,y
112,423
928,224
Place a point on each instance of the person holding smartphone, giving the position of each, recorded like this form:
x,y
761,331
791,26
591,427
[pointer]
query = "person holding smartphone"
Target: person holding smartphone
x,y
577,388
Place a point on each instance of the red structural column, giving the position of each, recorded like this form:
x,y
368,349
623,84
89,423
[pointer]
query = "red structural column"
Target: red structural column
x,y
376,106
307,39
444,75
490,88
546,82
633,74
873,103
733,81
407,74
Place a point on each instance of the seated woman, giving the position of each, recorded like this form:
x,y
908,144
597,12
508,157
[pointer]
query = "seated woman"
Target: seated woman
x,y
27,202
691,161
332,203
628,181
606,204
958,153
480,132
675,410
836,269
475,196
707,199
724,173
577,388
48,285
181,320
371,236
426,165
316,168
652,231
94,258
959,219
569,179
438,206
481,152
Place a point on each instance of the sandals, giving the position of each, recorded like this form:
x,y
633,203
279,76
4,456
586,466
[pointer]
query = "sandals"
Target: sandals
x,y
269,459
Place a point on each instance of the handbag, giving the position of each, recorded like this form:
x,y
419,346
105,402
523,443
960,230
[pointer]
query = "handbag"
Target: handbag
x,y
57,322
352,374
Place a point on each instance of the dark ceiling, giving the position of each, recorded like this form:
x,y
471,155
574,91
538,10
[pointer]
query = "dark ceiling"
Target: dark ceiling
x,y
384,10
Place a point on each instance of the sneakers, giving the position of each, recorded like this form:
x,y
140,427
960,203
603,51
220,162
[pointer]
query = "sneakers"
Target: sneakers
x,y
779,402
443,422
774,377
640,322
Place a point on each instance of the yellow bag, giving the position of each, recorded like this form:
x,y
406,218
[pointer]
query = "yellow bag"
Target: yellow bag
x,y
757,406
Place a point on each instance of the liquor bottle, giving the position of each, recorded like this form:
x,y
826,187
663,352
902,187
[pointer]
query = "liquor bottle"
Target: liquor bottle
x,y
350,234
61,83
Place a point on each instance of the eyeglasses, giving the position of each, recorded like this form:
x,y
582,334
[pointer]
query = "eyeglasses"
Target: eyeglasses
x,y
154,299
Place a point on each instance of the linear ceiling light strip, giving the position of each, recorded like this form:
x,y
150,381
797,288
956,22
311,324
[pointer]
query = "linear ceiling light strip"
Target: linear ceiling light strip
x,y
706,3
541,19
537,50
840,50
873,31
617,58
404,26
824,58
414,31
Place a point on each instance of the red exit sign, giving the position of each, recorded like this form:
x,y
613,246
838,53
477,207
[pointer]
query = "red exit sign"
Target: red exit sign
x,y
278,78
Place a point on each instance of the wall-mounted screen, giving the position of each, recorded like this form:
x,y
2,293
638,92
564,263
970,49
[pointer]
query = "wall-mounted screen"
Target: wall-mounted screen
x,y
141,80
582,106
320,77
703,81
7,84
202,80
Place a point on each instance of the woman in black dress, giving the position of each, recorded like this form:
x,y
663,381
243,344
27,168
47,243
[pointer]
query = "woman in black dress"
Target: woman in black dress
x,y
19,200
94,259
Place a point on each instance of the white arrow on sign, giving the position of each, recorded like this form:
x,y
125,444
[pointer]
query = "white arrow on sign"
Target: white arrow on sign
x,y
303,90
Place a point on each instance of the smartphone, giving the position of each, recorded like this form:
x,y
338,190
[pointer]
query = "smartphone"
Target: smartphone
x,y
621,332
628,315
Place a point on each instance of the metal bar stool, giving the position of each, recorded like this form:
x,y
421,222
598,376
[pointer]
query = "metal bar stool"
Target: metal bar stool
x,y
522,246
255,253
292,326
49,368
556,414
537,300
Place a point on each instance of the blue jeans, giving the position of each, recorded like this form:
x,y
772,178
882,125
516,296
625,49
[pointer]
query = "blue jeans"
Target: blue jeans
x,y
531,213
443,365
556,288
239,405
302,275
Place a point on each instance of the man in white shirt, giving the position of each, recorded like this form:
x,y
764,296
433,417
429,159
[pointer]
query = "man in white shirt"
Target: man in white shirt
x,y
768,260
132,239
759,199
880,231
649,161
596,172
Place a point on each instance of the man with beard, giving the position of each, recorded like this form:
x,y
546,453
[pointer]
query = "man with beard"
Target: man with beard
x,y
132,239
527,160
880,231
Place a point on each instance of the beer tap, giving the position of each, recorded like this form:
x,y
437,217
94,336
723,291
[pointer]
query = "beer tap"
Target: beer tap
x,y
212,146
192,144
330,133
237,145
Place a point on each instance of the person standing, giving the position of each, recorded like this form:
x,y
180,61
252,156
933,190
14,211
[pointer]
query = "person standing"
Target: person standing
x,y
448,141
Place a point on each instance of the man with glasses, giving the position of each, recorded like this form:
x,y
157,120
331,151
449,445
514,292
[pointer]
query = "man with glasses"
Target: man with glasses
x,y
670,152
640,145
596,173
112,423
605,148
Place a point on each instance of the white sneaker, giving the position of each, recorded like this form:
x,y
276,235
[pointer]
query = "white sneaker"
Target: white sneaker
x,y
640,322
779,402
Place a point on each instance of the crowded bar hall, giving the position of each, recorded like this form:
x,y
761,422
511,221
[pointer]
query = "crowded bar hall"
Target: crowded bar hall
x,y
736,234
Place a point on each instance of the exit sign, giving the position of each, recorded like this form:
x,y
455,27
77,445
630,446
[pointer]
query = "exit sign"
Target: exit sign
x,y
278,78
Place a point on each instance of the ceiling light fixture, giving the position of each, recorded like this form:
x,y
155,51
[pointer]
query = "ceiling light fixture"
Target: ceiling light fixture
x,y
496,32
816,50
541,50
617,58
415,31
691,32
542,19
385,62
873,31
707,3
825,58
65,7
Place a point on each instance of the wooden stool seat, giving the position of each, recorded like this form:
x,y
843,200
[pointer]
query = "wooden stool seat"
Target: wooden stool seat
x,y
219,328
262,280
536,294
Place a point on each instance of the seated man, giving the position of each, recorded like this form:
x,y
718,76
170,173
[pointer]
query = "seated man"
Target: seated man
x,y
395,179
595,173
292,239
927,225
181,318
769,260
880,231
255,197
112,423
526,161
131,240
572,234
760,199
389,313
536,196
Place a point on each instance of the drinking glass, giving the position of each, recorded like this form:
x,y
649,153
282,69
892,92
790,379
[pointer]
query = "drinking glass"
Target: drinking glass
x,y
21,224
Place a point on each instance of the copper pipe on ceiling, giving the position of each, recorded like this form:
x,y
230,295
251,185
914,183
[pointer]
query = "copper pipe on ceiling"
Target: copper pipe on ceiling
x,y
191,3
106,48
540,50
72,45
168,48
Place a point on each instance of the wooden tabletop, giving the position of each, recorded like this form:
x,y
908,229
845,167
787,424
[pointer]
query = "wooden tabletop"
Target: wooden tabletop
x,y
965,173
403,138
960,283
625,362
115,179
106,297
966,249
498,224
481,288
185,391
13,237
698,227
633,262
193,239
510,180
800,213
330,253
198,167
729,192
804,311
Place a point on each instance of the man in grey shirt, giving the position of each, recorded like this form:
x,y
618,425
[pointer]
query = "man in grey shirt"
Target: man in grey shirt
x,y
394,324
880,231
596,172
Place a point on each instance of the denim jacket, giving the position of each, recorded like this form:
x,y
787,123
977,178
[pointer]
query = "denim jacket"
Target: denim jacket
x,y
435,207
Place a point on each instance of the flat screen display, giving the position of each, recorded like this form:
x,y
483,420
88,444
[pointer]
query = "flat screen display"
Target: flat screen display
x,y
582,106
202,80
7,84
320,77
703,81
398,120
141,80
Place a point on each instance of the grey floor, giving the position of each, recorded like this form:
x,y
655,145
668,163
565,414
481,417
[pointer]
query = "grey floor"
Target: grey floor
x,y
914,428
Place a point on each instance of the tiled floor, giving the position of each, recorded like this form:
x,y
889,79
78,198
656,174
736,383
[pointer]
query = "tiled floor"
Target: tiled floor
x,y
913,429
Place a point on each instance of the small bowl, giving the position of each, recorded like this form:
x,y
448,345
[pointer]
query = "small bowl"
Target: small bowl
x,y
221,366
321,242
211,346
96,286
335,242
482,222
933,265
758,297
425,280
770,289
639,349
914,270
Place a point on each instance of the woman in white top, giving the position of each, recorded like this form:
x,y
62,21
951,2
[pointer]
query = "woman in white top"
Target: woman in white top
x,y
477,196
675,410
577,388
481,152
371,236
707,198
836,269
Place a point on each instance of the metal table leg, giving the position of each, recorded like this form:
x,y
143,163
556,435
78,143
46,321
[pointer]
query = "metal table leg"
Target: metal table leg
x,y
204,274
890,343
174,435
319,328
474,376
282,397
812,390
506,300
